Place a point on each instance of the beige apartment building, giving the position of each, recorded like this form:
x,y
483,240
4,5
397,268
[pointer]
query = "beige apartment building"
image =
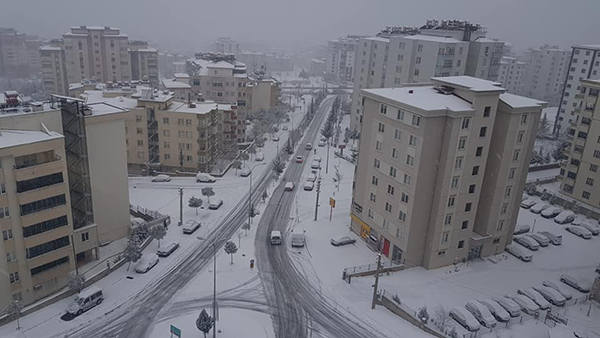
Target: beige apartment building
x,y
580,171
441,169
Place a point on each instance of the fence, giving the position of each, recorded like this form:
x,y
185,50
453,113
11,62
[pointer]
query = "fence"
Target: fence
x,y
370,269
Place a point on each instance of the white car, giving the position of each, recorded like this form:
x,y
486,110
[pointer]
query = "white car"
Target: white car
x,y
513,309
521,229
309,186
528,203
527,305
481,313
579,231
519,252
551,295
289,186
323,138
161,178
276,138
259,157
167,249
593,228
551,212
497,310
322,143
564,217
554,238
464,318
215,204
284,127
539,207
315,165
577,283
308,146
564,291
535,296
190,227
146,263
299,159
311,177
317,159
205,178
245,172
541,239
527,242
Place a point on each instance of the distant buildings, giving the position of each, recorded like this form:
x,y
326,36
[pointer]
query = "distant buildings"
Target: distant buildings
x,y
511,74
317,67
226,45
19,54
584,64
340,58
266,63
441,169
545,73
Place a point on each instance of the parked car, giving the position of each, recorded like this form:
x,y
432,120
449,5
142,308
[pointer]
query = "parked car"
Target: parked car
x,y
519,252
146,263
579,231
215,204
535,296
513,309
289,186
527,305
521,229
541,239
161,178
551,295
464,318
299,159
298,239
539,207
284,127
551,212
481,313
558,287
311,177
527,242
167,249
564,217
342,240
528,203
317,159
578,283
308,185
245,172
554,238
323,138
315,165
276,237
497,310
190,227
308,146
593,228
322,143
85,300
276,138
259,157
205,178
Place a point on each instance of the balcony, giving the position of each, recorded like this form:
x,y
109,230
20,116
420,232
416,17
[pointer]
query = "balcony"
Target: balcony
x,y
27,171
57,271
579,96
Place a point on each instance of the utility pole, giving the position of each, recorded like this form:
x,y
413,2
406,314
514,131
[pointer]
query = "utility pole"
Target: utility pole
x,y
327,163
376,281
75,254
317,203
180,206
214,290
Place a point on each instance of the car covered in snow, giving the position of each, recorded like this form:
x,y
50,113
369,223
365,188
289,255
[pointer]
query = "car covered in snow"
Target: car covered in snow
x,y
464,318
259,157
245,172
554,238
528,203
309,186
317,159
563,290
521,229
215,204
342,240
527,305
276,138
535,296
308,146
513,309
497,310
85,300
481,313
519,252
146,263
551,212
191,226
284,127
311,177
551,295
289,186
167,249
541,239
315,165
578,283
322,143
161,178
539,207
205,178
527,242
564,217
591,227
579,231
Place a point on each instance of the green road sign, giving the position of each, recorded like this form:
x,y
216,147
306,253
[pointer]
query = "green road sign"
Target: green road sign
x,y
176,331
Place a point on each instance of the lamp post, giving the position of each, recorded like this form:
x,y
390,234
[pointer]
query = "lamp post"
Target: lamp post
x,y
214,285
250,192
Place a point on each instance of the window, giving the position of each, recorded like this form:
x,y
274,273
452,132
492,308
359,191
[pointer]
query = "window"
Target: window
x,y
370,213
418,60
11,256
589,181
378,145
508,191
468,207
394,153
167,145
511,173
465,122
416,72
166,133
37,183
372,197
479,151
14,277
44,226
400,115
571,175
3,188
406,179
524,118
462,142
419,48
376,163
520,137
503,208
381,128
50,265
390,190
85,236
458,163
475,170
472,189
416,120
7,234
586,195
516,155
482,131
397,134
165,120
454,183
400,57
402,216
43,248
486,111
500,225
465,224
383,109
138,118
401,45
388,207
167,156
448,219
412,141
445,237
597,153
451,201
374,180
43,204
461,244
410,160
392,171
140,143
139,131
594,168
404,198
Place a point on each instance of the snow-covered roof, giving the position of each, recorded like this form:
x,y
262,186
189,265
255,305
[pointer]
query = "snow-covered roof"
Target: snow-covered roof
x,y
13,138
516,101
595,46
318,60
198,107
432,38
49,48
422,97
182,75
592,81
376,38
482,39
147,50
103,108
174,84
471,83
221,64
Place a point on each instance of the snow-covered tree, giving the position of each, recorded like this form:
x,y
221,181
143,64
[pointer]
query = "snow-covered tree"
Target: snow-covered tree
x,y
204,322
278,167
327,130
236,165
246,227
547,158
337,177
230,249
288,147
265,195
132,252
251,151
544,127
453,333
253,212
158,232
441,318
195,203
14,308
76,282
423,315
303,74
208,192
244,157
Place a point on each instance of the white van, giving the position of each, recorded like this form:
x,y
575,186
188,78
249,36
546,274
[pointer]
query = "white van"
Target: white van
x,y
275,237
86,300
298,239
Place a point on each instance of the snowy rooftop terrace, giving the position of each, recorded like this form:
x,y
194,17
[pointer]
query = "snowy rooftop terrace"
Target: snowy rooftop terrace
x,y
13,138
516,101
471,83
421,97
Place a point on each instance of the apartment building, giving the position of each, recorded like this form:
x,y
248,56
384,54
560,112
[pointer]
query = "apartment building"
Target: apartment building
x,y
54,68
511,74
35,215
265,63
484,58
181,91
433,201
545,73
584,64
19,54
317,67
97,53
340,58
225,45
580,171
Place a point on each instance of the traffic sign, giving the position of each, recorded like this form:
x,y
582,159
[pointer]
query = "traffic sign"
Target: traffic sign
x,y
175,331
331,202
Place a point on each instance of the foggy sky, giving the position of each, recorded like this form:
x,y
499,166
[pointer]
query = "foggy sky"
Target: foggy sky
x,y
190,24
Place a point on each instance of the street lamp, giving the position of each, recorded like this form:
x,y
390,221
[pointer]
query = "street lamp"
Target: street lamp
x,y
250,192
214,285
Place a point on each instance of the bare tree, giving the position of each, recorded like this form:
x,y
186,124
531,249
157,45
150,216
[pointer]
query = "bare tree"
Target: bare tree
x,y
76,282
14,308
441,318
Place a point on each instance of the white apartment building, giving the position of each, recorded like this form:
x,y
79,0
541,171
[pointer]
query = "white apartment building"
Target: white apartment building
x,y
545,73
584,64
225,45
340,58
19,54
265,63
484,58
511,74
441,169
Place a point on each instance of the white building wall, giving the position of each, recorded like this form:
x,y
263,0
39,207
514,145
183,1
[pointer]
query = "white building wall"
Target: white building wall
x,y
545,74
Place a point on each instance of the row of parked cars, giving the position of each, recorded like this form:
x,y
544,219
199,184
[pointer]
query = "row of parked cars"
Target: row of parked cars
x,y
579,227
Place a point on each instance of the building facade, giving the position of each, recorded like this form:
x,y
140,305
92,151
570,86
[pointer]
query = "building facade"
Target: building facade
x,y
19,54
545,73
580,171
464,200
584,64
340,58
225,45
511,74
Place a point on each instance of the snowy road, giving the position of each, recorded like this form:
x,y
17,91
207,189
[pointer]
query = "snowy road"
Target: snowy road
x,y
300,310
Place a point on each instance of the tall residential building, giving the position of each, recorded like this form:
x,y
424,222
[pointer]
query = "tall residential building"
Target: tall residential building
x,y
102,54
226,45
18,53
340,58
54,68
580,177
432,201
265,62
545,73
584,64
484,58
511,74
